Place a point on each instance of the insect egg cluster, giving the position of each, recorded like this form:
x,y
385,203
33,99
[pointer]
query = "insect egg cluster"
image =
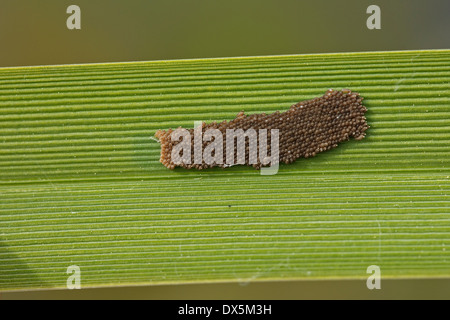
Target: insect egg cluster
x,y
305,129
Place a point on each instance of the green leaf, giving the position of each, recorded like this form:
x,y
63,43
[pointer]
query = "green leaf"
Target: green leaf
x,y
81,183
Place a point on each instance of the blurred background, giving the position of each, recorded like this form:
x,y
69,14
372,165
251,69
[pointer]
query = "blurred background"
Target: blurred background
x,y
285,290
35,33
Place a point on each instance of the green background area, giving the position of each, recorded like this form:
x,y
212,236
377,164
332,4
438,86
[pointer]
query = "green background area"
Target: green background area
x,y
35,33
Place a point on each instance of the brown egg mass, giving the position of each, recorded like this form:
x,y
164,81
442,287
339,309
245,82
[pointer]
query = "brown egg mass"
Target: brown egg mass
x,y
307,128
